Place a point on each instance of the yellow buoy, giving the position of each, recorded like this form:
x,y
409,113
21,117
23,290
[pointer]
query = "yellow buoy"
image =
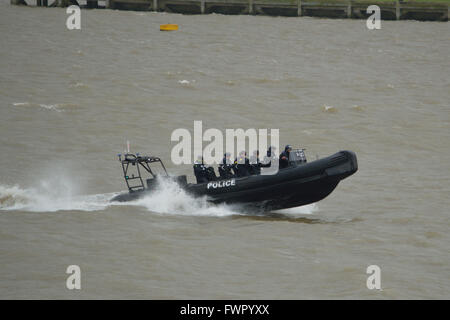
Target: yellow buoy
x,y
168,27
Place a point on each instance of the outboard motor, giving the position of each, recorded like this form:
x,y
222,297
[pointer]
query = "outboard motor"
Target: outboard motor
x,y
297,157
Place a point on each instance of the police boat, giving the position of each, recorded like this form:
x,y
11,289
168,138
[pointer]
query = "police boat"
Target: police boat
x,y
301,183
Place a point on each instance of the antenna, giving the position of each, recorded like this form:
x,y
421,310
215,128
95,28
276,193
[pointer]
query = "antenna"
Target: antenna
x,y
128,146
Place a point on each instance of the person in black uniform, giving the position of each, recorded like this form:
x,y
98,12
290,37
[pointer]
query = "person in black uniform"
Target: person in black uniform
x,y
200,171
211,174
225,169
242,165
270,156
284,157
256,164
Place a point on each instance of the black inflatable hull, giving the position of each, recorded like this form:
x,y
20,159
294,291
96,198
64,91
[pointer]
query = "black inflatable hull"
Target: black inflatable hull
x,y
290,187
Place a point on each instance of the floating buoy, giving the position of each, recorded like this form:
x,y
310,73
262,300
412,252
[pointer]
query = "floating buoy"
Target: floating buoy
x,y
168,27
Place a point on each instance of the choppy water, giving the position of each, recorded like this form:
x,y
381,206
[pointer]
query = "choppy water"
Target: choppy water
x,y
70,99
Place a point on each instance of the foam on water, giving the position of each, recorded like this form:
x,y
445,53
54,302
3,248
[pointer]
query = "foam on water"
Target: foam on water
x,y
53,107
46,199
308,209
57,189
169,199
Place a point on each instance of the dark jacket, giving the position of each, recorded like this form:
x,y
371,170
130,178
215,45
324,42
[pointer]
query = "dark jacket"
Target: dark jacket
x,y
256,165
200,172
284,160
225,168
244,168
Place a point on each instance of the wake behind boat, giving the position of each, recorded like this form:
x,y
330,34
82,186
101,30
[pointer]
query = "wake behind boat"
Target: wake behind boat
x,y
301,183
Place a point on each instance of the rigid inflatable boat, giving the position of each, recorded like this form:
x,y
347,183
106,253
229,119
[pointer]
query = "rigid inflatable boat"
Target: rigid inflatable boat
x,y
299,184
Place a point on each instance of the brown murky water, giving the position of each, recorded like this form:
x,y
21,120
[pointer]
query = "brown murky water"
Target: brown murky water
x,y
70,99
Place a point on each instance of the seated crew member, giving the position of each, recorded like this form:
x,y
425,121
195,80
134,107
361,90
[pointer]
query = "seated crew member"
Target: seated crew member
x,y
255,167
284,157
226,167
242,165
200,171
256,164
270,156
211,174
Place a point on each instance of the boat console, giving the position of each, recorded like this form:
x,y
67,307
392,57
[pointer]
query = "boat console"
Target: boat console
x,y
297,157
